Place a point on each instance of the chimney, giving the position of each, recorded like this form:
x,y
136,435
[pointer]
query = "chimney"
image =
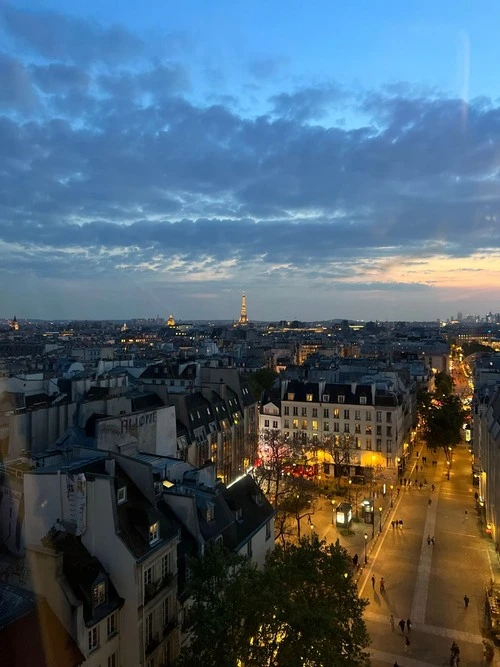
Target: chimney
x,y
374,390
353,387
284,387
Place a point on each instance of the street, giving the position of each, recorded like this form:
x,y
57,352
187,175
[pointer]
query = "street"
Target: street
x,y
425,582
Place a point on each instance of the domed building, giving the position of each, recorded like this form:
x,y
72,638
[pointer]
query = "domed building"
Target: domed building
x,y
170,321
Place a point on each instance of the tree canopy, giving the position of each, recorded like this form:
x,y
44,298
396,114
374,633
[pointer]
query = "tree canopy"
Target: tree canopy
x,y
443,384
261,380
444,422
302,608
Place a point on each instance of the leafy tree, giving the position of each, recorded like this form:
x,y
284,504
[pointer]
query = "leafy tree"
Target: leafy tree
x,y
474,347
276,452
443,384
261,380
424,402
301,609
309,612
444,423
297,502
220,589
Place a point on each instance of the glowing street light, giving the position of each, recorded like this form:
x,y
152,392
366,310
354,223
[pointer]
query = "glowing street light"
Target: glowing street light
x,y
366,538
350,482
392,488
448,464
380,513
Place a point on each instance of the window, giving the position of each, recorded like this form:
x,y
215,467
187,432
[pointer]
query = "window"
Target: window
x,y
379,416
326,426
275,424
291,397
266,423
357,442
93,638
99,594
268,530
341,399
304,424
149,628
346,414
167,610
326,413
113,660
154,532
287,409
148,575
336,413
379,444
379,429
357,428
357,414
326,398
315,425
121,496
389,430
346,428
286,423
389,445
368,415
388,417
166,565
304,412
111,625
295,423
368,443
249,548
295,412
309,397
362,400
390,462
336,427
368,429
315,412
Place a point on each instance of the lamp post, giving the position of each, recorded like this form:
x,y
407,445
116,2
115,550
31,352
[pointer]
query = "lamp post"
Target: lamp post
x,y
366,559
380,514
349,486
449,464
373,519
333,509
392,488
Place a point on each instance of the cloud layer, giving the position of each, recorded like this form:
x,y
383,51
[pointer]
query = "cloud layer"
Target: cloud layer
x,y
113,165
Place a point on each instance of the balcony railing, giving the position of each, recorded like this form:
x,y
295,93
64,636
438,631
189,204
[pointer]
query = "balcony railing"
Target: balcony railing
x,y
151,590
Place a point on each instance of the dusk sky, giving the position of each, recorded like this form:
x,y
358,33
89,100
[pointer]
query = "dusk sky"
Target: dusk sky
x,y
331,159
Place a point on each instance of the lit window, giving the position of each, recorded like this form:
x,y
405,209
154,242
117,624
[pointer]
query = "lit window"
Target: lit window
x,y
309,397
93,637
99,594
154,532
291,397
122,495
295,423
336,413
304,424
314,425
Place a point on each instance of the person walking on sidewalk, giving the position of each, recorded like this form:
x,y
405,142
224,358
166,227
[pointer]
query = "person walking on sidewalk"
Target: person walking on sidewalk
x,y
402,625
466,600
409,624
373,581
407,645
428,540
391,621
382,585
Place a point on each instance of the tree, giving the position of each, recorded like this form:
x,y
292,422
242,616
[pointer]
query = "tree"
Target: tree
x,y
444,423
297,503
424,402
220,591
276,453
443,384
261,380
309,612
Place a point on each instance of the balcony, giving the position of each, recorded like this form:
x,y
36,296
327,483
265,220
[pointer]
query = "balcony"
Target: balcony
x,y
152,644
151,590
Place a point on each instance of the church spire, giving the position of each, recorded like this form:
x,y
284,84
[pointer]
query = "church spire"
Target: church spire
x,y
243,321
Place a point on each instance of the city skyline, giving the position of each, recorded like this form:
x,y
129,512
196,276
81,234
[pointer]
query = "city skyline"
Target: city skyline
x,y
171,160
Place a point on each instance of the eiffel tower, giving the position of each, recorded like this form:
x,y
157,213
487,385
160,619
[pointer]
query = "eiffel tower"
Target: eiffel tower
x,y
243,321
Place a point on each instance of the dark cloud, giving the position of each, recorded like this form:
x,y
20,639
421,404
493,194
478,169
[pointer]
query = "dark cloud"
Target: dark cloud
x,y
16,89
308,103
60,37
57,77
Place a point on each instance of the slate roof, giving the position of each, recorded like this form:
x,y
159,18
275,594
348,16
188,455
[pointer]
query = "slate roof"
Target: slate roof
x,y
256,510
31,634
147,401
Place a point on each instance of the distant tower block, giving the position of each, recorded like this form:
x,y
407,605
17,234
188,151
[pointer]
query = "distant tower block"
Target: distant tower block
x,y
243,321
170,321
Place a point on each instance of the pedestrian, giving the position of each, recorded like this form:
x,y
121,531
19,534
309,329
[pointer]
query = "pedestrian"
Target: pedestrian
x,y
428,540
430,502
409,624
382,585
432,540
420,486
407,645
416,482
355,560
476,496
402,625
466,514
391,621
397,491
392,525
404,480
373,581
433,487
401,524
396,664
466,600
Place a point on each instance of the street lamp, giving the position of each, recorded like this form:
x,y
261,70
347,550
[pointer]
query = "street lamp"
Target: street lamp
x,y
349,497
449,464
380,513
392,488
366,559
333,509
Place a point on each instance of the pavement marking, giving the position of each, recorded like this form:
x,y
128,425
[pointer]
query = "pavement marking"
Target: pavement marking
x,y
391,658
431,629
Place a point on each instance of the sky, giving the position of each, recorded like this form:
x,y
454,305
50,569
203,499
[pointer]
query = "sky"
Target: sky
x,y
332,160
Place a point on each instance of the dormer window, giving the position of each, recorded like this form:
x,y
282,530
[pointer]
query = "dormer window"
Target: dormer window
x,y
99,594
291,397
309,397
362,400
341,398
121,496
154,532
210,512
326,398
